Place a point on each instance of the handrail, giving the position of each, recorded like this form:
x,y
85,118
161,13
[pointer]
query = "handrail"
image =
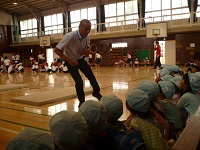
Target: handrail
x,y
111,27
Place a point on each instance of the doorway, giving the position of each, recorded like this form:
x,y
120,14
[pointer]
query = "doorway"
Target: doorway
x,y
168,52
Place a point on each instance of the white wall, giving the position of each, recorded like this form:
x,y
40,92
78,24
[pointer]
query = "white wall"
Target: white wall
x,y
170,52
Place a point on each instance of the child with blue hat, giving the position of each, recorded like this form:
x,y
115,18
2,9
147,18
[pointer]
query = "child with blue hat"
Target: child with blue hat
x,y
162,73
116,128
190,101
95,115
175,71
152,89
178,91
169,105
138,103
31,139
69,130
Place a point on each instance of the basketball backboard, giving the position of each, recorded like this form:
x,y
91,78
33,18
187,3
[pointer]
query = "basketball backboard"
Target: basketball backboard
x,y
154,30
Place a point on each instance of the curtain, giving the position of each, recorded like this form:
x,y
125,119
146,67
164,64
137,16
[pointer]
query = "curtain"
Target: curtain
x,y
102,19
69,22
141,4
64,24
42,24
195,9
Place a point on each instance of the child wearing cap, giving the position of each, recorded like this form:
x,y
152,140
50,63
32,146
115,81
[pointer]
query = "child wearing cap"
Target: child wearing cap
x,y
175,71
195,66
69,130
11,68
35,67
138,103
162,73
20,68
178,91
95,115
173,113
190,101
152,89
31,138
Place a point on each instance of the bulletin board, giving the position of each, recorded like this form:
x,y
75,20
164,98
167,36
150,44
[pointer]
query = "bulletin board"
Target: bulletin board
x,y
142,54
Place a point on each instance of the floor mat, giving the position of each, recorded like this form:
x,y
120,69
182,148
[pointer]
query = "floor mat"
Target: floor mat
x,y
51,96
8,87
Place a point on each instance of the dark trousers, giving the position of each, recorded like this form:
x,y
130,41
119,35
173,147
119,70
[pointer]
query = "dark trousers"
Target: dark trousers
x,y
157,63
86,70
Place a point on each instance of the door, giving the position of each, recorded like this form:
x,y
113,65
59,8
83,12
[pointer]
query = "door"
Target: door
x,y
170,52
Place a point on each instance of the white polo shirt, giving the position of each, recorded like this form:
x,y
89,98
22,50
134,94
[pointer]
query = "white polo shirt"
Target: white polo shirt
x,y
73,44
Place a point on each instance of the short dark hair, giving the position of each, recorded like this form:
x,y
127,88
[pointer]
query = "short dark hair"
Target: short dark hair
x,y
157,42
83,22
196,56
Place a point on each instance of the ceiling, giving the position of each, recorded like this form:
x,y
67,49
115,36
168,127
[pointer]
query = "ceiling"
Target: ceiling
x,y
36,7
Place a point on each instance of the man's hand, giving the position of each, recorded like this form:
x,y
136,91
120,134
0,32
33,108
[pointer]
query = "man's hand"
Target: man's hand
x,y
85,52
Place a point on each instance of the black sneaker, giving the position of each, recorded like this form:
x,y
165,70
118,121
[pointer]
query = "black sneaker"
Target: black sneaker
x,y
80,103
97,95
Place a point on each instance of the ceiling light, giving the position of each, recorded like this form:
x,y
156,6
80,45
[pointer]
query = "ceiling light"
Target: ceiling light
x,y
15,2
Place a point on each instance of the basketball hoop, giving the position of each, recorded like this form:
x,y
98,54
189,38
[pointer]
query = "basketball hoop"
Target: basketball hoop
x,y
155,35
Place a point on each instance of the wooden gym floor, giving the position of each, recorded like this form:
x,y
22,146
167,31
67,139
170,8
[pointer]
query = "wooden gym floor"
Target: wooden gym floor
x,y
14,117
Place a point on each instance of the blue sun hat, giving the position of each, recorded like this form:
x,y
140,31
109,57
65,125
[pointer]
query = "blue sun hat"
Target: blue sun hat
x,y
167,88
95,115
176,80
163,72
165,66
175,68
194,80
114,107
69,128
150,87
138,100
166,77
31,139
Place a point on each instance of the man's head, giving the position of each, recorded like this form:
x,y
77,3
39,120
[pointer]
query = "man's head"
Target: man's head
x,y
84,27
157,42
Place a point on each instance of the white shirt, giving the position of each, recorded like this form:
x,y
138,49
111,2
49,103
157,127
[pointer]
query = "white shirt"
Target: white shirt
x,y
20,67
54,68
65,68
97,55
17,57
40,56
73,44
7,62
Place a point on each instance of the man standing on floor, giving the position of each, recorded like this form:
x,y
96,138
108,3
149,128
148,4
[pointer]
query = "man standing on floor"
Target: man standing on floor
x,y
73,48
158,54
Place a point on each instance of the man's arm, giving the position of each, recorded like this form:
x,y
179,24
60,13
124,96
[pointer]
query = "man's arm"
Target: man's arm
x,y
70,61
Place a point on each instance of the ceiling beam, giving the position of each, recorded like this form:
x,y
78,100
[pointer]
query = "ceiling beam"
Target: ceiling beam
x,y
36,12
3,10
62,6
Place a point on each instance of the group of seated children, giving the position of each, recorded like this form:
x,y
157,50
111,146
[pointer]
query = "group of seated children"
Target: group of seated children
x,y
156,116
154,120
52,69
12,67
127,63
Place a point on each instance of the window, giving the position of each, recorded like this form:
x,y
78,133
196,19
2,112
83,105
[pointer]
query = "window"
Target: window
x,y
179,3
53,24
28,28
121,13
78,15
177,8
